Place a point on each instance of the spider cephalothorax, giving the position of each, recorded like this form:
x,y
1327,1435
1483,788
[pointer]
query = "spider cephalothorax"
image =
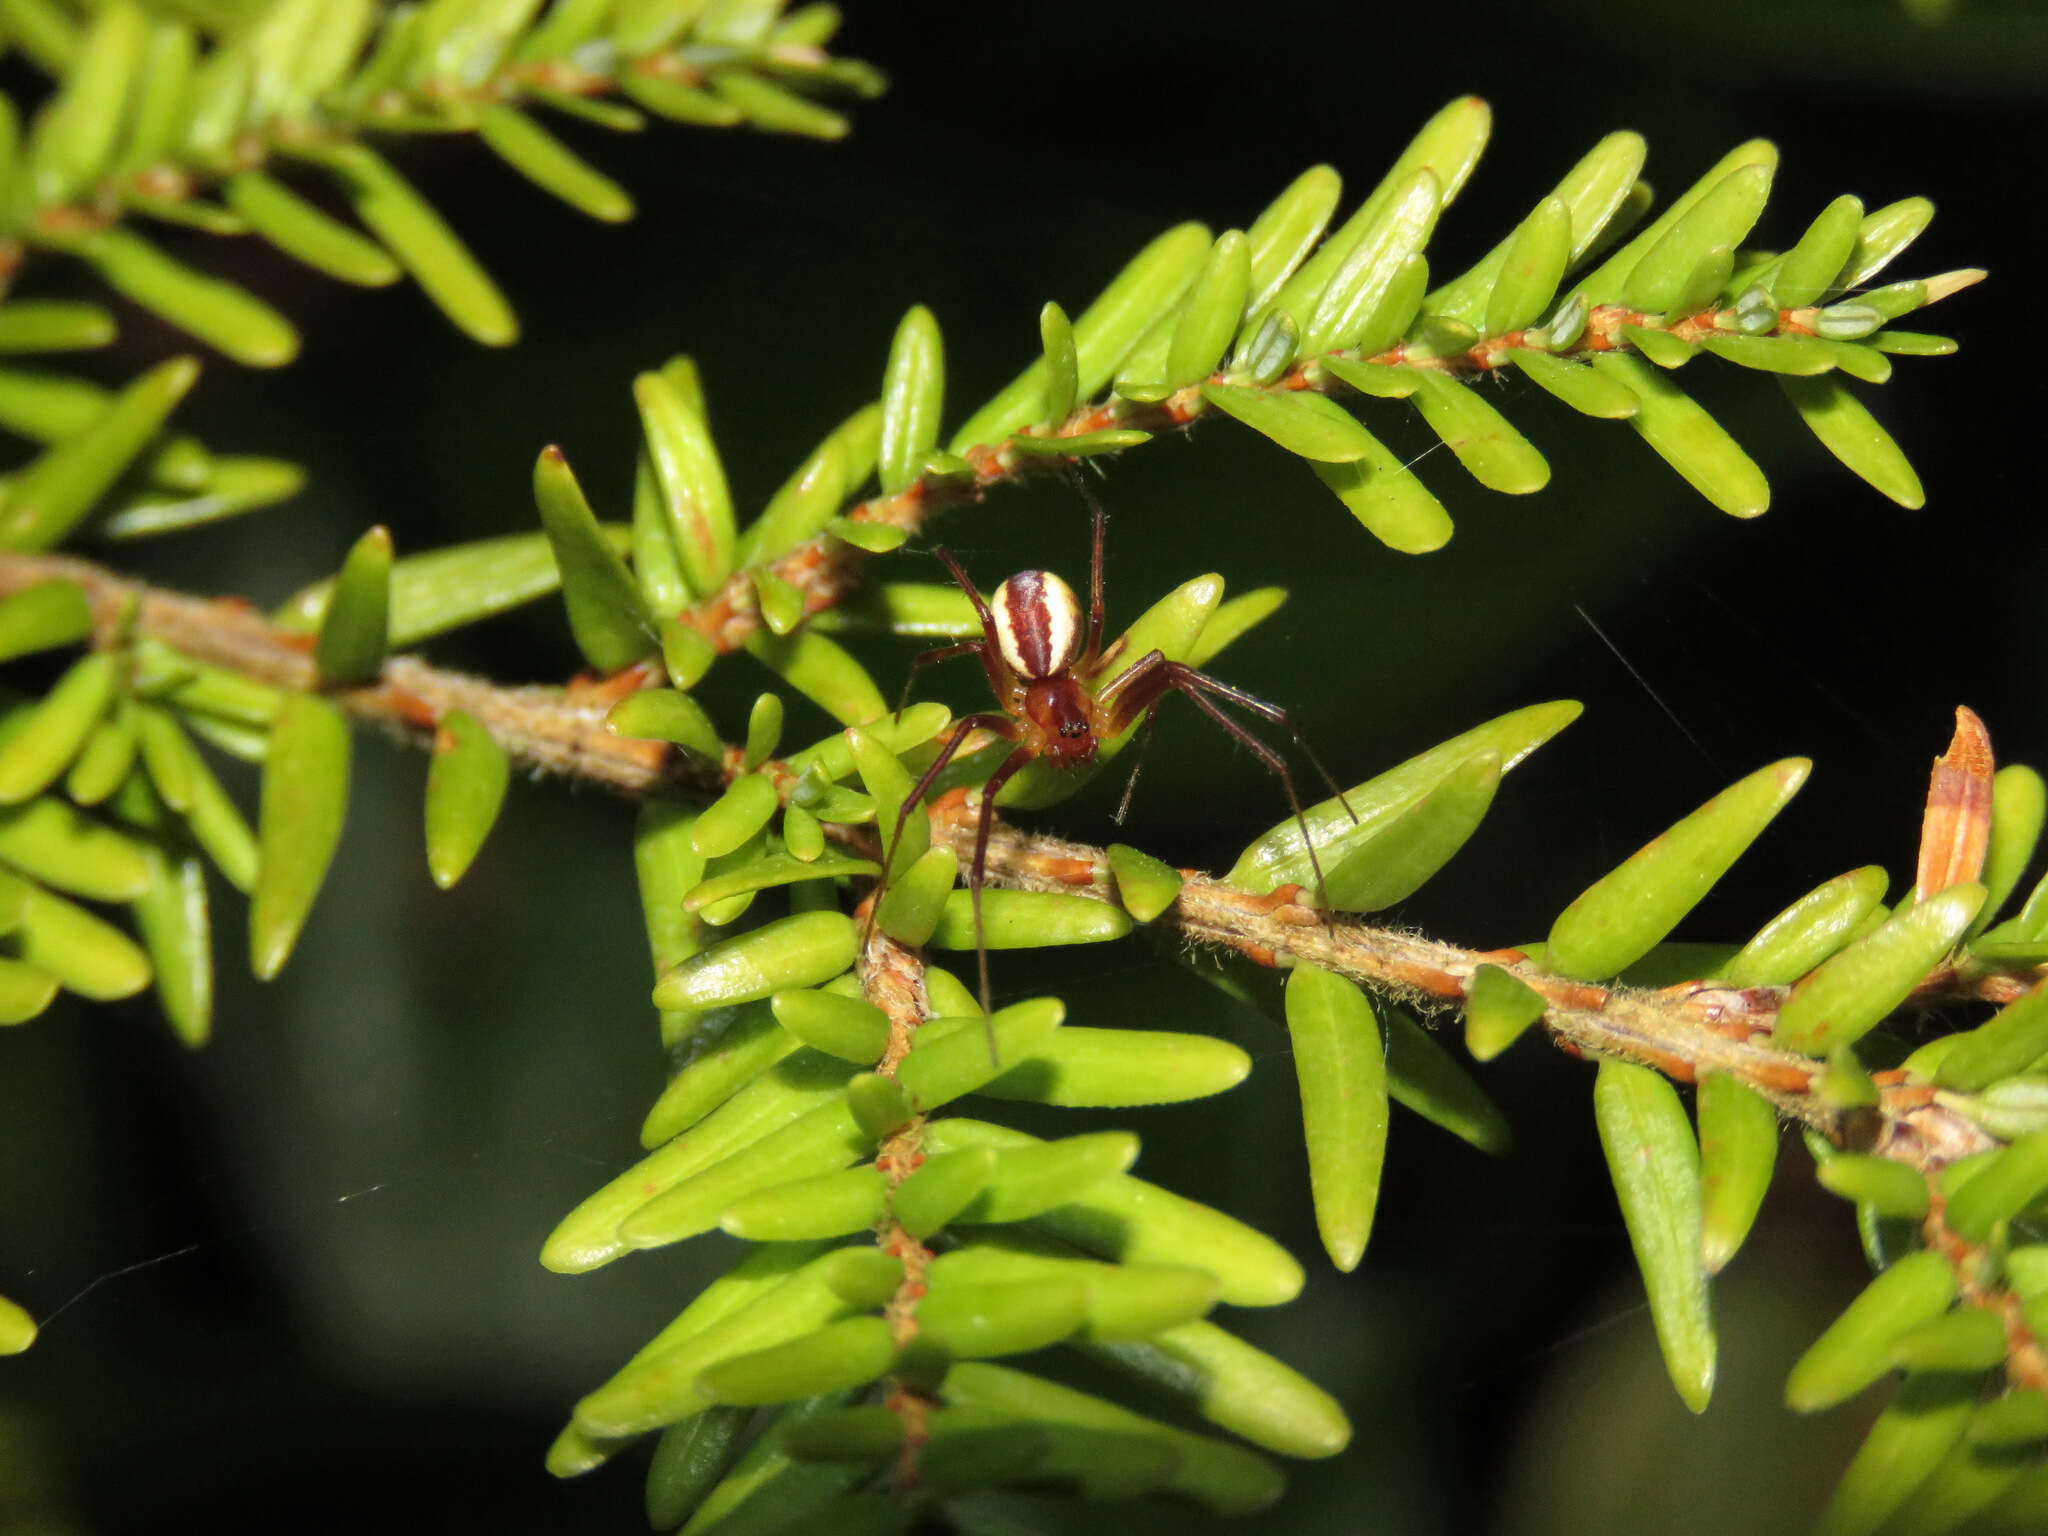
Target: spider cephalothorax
x,y
1045,665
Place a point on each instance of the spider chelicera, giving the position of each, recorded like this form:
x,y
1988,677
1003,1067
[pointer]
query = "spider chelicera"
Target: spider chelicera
x,y
1042,664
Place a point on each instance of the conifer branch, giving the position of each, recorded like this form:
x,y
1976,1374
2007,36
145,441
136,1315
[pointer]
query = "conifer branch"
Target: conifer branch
x,y
307,83
545,730
1260,325
1682,1031
826,569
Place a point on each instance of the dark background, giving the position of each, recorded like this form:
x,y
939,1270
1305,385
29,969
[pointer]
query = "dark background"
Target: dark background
x,y
289,1282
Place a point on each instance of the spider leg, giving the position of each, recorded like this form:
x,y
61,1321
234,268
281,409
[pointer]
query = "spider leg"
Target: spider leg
x,y
1185,677
1132,693
1098,521
1002,725
930,658
977,875
998,723
1123,806
991,650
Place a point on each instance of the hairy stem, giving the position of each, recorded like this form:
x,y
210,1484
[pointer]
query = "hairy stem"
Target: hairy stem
x,y
892,978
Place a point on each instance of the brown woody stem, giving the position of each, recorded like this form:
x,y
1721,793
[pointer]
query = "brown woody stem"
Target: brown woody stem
x,y
892,978
545,730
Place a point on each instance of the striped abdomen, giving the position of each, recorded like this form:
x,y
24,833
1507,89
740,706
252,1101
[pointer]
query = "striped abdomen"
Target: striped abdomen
x,y
1038,624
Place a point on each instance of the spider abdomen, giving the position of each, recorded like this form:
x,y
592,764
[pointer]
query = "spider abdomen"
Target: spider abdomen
x,y
1037,623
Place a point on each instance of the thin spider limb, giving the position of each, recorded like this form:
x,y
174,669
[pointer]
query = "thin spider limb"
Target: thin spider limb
x,y
826,570
1682,1031
1137,693
986,725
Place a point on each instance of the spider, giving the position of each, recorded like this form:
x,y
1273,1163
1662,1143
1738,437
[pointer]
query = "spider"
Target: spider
x,y
1043,663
